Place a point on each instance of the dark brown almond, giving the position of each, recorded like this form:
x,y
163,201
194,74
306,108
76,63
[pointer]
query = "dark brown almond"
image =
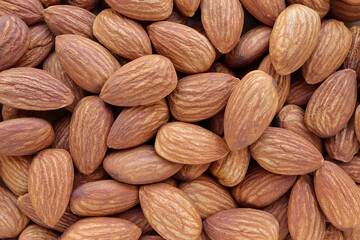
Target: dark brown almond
x,y
98,174
191,171
322,7
332,233
353,58
11,113
216,123
352,168
176,17
29,11
135,215
220,67
62,129
86,4
300,91
344,11
48,3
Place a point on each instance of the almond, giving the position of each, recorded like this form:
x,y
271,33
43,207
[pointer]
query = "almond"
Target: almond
x,y
88,63
142,81
322,7
261,188
305,219
62,129
208,196
216,123
332,104
219,67
191,171
250,110
294,37
242,223
231,170
189,144
200,96
344,11
47,91
176,17
89,127
98,174
352,168
223,22
103,197
135,215
334,43
352,235
300,91
333,233
357,122
12,113
37,232
29,11
252,46
182,219
102,228
174,40
338,196
14,173
48,3
14,41
281,151
187,7
136,125
86,4
25,136
353,58
121,35
151,237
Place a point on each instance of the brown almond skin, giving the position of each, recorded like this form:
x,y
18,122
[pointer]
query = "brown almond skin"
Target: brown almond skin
x,y
189,144
173,41
216,123
139,165
37,232
223,22
281,151
305,219
344,11
332,233
136,216
208,196
352,235
300,91
352,168
48,3
11,113
102,228
183,220
136,125
98,174
294,37
86,62
176,17
220,67
29,11
201,96
353,60
261,188
252,46
47,91
334,43
191,171
265,11
12,220
121,35
51,177
86,4
103,197
62,130
14,40
187,7
151,237
332,104
250,110
136,84
322,7
89,127
231,170
242,223
14,173
25,136
332,187
357,122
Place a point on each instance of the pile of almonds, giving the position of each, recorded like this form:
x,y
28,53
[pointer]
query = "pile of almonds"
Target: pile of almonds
x,y
160,119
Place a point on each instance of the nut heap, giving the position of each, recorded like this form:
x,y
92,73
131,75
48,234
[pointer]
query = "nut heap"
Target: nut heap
x,y
159,119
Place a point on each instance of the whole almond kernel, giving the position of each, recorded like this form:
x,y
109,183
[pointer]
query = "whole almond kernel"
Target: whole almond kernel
x,y
89,127
86,4
103,197
142,81
332,233
334,43
191,171
102,228
322,7
139,165
86,62
14,40
332,104
305,219
182,219
294,38
242,223
223,22
29,11
261,188
344,11
338,196
200,96
37,232
208,196
300,91
136,215
265,11
25,136
11,113
51,177
250,110
187,7
281,151
12,220
174,40
189,144
62,129
353,60
47,91
352,168
121,35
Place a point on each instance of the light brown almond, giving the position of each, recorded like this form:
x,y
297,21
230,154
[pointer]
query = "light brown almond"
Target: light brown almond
x,y
220,67
300,91
12,113
322,7
176,17
352,168
332,233
191,171
353,58
98,174
29,11
86,4
62,129
187,7
135,215
37,232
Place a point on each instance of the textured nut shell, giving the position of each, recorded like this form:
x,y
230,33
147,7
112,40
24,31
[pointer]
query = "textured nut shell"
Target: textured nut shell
x,y
88,63
174,40
265,11
332,104
189,172
322,7
353,58
170,212
86,4
62,130
187,7
201,96
300,91
135,215
293,38
250,110
344,11
352,168
142,81
189,144
29,11
281,151
37,232
25,136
